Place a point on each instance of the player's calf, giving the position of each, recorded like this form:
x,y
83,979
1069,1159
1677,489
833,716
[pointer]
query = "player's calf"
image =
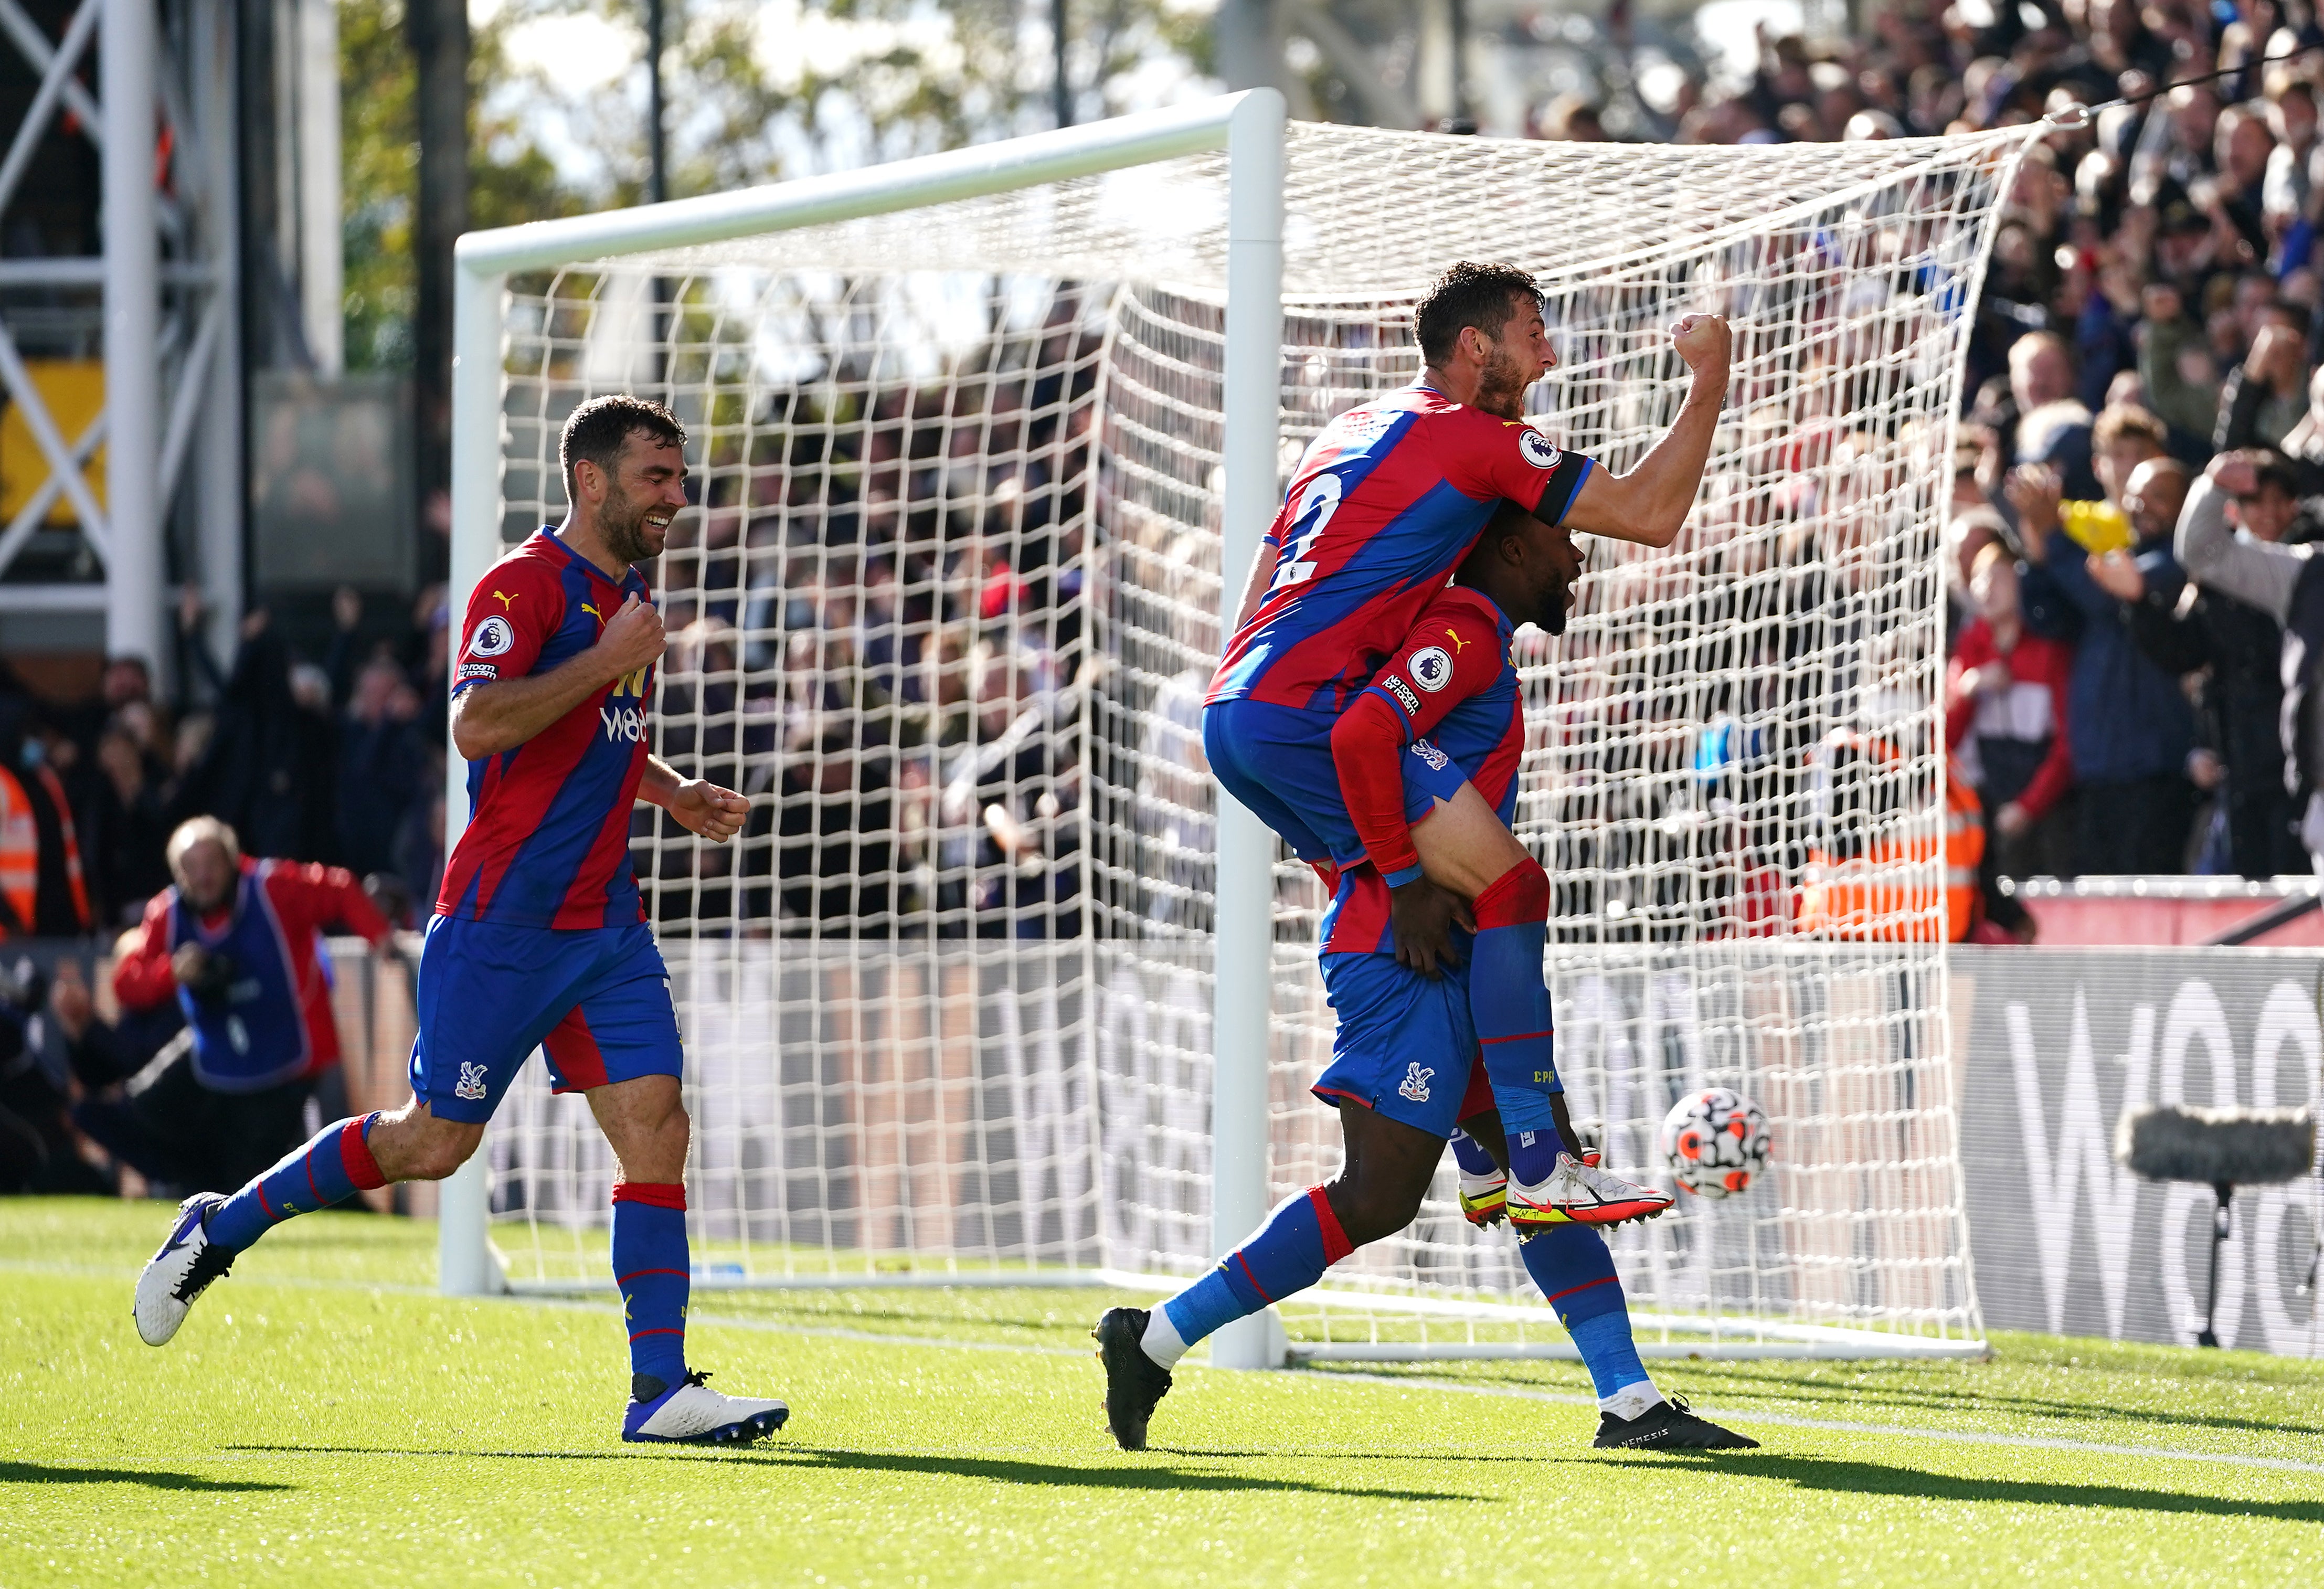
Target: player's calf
x,y
210,1229
1388,1170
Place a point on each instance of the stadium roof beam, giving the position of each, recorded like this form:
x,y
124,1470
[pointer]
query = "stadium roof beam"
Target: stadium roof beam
x,y
172,316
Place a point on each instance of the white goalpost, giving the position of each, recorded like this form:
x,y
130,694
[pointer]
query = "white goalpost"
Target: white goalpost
x,y
993,989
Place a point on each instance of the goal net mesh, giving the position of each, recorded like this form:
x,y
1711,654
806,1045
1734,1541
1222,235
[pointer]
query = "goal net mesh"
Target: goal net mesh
x,y
946,610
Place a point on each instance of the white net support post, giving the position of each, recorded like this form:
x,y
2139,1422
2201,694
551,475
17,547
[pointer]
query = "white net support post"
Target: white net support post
x,y
993,988
1249,128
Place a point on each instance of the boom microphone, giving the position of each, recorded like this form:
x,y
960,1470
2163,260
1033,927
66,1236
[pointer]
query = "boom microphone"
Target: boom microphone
x,y
2217,1146
2222,1148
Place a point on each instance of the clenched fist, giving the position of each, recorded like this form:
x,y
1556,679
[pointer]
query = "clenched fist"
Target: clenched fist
x,y
702,807
1705,342
632,638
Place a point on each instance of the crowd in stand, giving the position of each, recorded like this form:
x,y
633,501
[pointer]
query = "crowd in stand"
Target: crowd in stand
x,y
339,761
2155,298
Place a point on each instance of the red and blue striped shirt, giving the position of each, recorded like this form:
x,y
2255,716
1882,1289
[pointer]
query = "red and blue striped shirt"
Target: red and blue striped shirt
x,y
547,840
1388,500
1448,694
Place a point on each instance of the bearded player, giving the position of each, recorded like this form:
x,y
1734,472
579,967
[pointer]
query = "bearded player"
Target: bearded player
x,y
540,938
1406,1042
1385,505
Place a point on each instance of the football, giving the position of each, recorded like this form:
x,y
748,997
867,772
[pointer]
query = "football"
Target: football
x,y
1714,1142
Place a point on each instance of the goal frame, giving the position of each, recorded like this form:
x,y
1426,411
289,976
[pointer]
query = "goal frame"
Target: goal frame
x,y
1249,127
1250,130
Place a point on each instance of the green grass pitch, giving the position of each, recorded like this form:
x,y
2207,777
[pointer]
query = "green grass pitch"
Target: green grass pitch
x,y
323,1418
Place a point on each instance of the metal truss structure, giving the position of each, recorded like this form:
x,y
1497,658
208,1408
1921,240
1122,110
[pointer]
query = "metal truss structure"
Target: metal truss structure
x,y
167,280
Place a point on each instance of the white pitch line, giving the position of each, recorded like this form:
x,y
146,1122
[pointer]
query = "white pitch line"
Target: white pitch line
x,y
1838,1425
1505,1392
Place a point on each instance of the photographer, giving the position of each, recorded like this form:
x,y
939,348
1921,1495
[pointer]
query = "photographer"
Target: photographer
x,y
38,1150
239,943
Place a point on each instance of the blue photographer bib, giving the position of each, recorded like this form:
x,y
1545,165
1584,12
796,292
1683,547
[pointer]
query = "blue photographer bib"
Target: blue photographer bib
x,y
253,1035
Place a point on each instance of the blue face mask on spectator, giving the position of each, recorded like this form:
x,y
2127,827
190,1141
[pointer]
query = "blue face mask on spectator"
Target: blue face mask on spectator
x,y
33,754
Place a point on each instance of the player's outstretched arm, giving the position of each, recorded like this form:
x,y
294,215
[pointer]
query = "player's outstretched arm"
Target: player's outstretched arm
x,y
490,719
697,805
1649,504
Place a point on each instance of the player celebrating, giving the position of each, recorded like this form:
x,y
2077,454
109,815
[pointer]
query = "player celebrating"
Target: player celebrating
x,y
1387,503
540,938
1405,1038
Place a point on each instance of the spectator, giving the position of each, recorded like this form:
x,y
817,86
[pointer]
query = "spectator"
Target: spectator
x,y
1569,118
127,821
2181,384
2265,395
40,1152
102,1053
43,890
2007,714
235,942
2277,580
267,770
380,766
2239,647
2128,725
835,851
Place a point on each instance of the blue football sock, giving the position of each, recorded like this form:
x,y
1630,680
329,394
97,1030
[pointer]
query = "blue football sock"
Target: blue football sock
x,y
1300,1240
1510,1004
331,1168
1470,1154
652,1268
1575,1272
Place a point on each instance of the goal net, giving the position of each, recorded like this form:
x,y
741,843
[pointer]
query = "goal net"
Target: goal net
x,y
946,611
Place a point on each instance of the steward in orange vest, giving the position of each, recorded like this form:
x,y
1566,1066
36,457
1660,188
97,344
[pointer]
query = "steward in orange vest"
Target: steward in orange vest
x,y
42,891
1871,877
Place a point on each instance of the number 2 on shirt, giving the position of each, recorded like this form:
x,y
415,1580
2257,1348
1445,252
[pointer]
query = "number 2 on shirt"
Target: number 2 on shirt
x,y
1317,503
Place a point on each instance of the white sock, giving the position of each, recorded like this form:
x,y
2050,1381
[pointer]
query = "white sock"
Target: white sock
x,y
1160,1341
1631,1401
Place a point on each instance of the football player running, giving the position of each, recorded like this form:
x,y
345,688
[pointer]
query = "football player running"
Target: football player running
x,y
1406,1041
1383,508
540,936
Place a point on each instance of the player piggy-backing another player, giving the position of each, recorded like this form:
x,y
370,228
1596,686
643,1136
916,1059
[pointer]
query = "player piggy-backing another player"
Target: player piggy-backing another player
x,y
540,938
1402,1056
1384,506
1400,752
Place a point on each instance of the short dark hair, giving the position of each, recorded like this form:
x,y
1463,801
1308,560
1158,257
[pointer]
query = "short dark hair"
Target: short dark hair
x,y
597,429
1468,294
2300,317
2118,421
2272,468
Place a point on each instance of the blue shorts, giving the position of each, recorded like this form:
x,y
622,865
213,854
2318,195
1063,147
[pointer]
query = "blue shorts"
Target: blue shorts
x,y
1277,761
1405,1046
596,1002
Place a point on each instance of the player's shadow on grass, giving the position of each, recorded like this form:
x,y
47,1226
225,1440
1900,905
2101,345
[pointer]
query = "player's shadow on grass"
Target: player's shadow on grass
x,y
1000,1470
35,1473
1047,1474
1872,1478
1052,1474
1950,1398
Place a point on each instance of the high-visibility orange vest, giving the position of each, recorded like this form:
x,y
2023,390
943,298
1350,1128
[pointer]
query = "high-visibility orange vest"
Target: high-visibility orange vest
x,y
1887,894
20,851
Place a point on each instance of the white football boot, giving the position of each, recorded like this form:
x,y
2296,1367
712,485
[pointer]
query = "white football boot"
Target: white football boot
x,y
1580,1194
692,1411
1484,1198
180,1271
